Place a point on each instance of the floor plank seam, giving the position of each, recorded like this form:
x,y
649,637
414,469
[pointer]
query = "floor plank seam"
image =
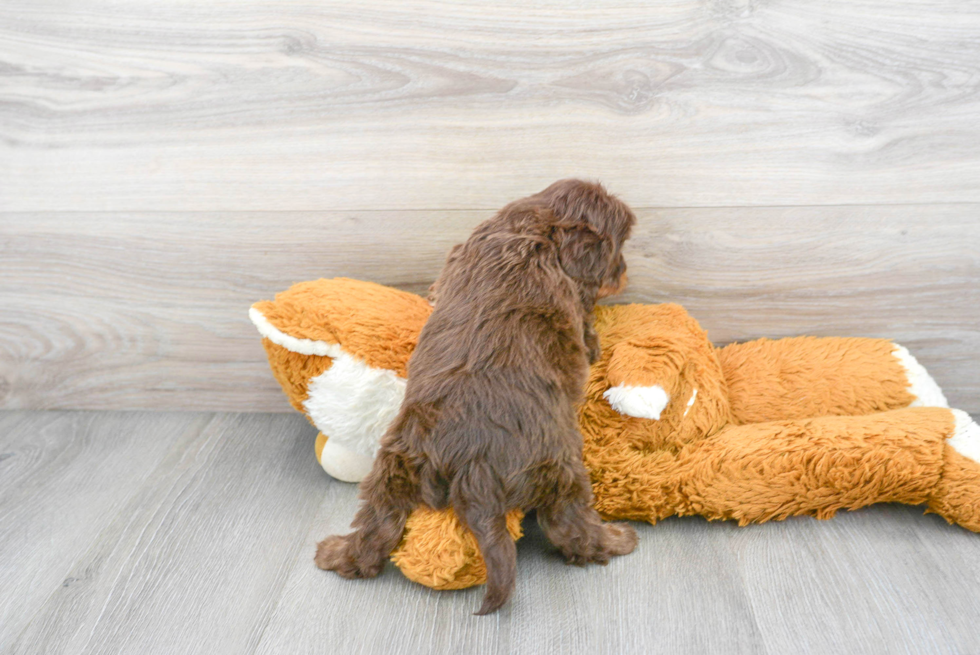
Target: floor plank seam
x,y
293,560
748,599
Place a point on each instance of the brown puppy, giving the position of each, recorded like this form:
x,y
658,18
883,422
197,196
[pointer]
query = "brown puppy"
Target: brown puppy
x,y
488,423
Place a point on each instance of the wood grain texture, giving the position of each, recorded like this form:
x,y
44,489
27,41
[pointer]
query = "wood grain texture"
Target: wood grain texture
x,y
202,541
63,478
860,583
116,105
196,560
148,310
657,600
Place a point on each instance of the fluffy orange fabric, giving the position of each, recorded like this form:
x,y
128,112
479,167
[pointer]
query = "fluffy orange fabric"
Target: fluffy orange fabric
x,y
341,311
294,371
955,497
377,323
803,377
423,555
751,432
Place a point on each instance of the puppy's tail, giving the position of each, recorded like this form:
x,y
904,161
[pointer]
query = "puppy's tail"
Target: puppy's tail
x,y
500,555
486,518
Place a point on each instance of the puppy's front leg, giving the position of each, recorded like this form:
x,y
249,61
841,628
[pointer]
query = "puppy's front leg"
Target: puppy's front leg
x,y
592,342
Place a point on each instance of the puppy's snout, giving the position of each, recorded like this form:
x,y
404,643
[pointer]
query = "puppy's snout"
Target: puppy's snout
x,y
616,282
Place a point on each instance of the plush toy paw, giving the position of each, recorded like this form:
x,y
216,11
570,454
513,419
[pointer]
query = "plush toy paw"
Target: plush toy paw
x,y
957,495
966,436
340,461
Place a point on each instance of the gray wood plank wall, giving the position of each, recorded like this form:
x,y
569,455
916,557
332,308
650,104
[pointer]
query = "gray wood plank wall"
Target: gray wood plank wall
x,y
798,167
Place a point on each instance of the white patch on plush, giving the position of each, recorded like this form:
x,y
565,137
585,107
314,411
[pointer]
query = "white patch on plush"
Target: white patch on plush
x,y
966,436
353,403
690,403
343,463
921,385
641,402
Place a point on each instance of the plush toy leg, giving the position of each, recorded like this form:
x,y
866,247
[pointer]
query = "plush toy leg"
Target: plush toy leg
x,y
805,377
766,471
957,496
341,462
438,552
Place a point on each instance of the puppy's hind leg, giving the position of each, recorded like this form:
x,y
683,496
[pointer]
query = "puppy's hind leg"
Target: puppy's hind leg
x,y
389,493
570,522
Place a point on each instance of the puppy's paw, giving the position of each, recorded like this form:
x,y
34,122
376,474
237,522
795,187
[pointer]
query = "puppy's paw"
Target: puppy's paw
x,y
583,559
621,539
339,555
331,555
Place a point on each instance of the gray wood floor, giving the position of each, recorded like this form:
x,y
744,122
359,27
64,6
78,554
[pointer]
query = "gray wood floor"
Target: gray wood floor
x,y
194,533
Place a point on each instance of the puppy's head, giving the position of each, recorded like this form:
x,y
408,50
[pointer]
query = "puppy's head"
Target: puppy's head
x,y
592,226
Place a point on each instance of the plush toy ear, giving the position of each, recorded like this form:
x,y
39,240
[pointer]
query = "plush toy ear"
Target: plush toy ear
x,y
583,253
340,350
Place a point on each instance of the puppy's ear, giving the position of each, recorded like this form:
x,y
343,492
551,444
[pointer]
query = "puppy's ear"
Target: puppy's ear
x,y
450,260
583,253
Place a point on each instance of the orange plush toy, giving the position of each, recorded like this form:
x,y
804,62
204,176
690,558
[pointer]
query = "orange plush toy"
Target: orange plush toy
x,y
672,425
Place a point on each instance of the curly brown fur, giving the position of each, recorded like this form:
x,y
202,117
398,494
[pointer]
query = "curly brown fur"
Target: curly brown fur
x,y
488,423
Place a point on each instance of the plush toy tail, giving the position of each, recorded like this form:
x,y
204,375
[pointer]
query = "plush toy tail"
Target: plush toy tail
x,y
957,496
